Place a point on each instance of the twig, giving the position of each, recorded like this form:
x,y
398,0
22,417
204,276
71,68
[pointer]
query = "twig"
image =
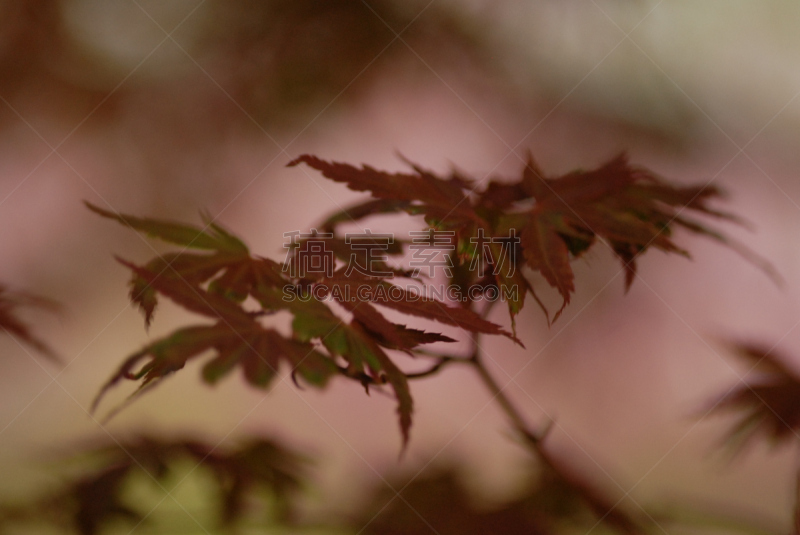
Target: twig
x,y
534,441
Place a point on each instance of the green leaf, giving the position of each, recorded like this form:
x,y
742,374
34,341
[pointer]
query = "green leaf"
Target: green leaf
x,y
314,320
258,351
188,236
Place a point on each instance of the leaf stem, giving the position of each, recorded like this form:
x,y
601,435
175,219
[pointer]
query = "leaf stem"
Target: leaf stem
x,y
502,399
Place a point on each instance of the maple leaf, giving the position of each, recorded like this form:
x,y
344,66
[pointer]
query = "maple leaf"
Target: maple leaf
x,y
427,194
96,500
237,339
558,219
397,298
388,334
191,297
629,207
258,351
213,237
180,277
768,406
235,273
359,341
355,344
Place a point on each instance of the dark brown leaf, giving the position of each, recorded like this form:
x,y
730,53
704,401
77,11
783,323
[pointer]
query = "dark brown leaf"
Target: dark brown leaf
x,y
438,199
767,406
394,297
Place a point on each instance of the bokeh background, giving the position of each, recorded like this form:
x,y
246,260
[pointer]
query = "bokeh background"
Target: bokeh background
x,y
165,108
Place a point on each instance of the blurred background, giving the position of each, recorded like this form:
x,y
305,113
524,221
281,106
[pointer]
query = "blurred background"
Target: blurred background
x,y
165,108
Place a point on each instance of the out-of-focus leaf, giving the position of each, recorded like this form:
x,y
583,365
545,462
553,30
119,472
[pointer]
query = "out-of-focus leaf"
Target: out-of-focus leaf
x,y
232,277
362,210
192,297
439,502
768,406
97,498
12,325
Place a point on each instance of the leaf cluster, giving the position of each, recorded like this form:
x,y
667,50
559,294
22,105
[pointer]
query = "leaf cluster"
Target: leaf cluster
x,y
556,220
216,284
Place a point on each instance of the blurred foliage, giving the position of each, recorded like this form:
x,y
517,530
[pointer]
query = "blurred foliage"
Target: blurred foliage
x,y
275,59
284,55
168,92
767,405
440,503
94,499
12,325
259,487
98,497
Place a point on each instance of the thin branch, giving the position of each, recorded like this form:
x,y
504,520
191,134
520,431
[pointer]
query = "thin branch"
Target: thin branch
x,y
443,361
600,505
534,441
365,379
505,403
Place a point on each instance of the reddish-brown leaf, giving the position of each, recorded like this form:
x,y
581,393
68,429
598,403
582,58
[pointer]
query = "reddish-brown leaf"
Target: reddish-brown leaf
x,y
191,297
388,334
546,251
394,297
629,207
438,199
359,347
